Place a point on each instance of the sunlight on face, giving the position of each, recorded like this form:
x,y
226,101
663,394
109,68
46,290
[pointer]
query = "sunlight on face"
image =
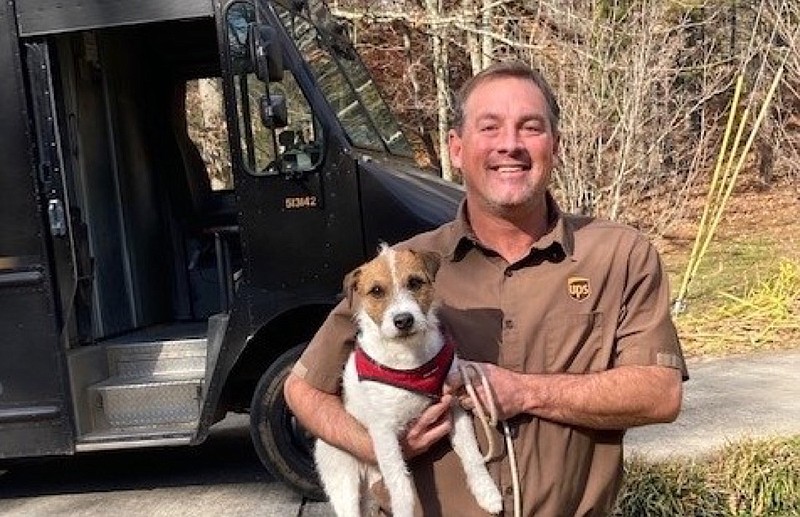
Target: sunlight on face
x,y
506,147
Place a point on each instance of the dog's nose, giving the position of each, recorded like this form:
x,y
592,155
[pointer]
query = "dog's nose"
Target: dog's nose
x,y
403,321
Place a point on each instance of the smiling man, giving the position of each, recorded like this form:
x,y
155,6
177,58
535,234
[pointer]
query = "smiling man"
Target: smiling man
x,y
568,317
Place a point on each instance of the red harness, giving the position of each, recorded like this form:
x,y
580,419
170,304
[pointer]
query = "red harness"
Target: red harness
x,y
427,379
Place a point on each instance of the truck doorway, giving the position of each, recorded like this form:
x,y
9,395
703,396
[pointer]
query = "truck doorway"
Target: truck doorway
x,y
156,223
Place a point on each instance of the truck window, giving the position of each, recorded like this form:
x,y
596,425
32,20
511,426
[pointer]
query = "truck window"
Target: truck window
x,y
298,146
205,117
345,82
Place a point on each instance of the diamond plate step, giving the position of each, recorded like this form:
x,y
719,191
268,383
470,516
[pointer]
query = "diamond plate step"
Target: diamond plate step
x,y
151,400
157,357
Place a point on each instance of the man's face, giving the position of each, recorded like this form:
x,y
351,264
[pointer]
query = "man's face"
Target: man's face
x,y
506,147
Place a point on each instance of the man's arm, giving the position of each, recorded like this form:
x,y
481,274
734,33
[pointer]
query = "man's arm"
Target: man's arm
x,y
623,397
323,415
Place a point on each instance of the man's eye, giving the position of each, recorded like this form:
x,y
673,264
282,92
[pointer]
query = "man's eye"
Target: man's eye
x,y
377,291
534,125
415,283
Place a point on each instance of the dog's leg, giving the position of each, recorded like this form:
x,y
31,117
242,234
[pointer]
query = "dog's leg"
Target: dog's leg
x,y
480,482
339,473
394,470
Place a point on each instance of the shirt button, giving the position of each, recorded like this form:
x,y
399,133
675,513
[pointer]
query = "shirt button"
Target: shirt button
x,y
509,324
508,273
509,490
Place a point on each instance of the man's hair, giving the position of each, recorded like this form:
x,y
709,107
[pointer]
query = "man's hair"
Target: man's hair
x,y
502,69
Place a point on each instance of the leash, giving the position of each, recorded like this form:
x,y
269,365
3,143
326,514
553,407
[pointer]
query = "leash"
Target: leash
x,y
468,370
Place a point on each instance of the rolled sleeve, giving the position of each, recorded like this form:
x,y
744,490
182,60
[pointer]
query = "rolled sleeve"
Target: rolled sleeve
x,y
646,334
323,360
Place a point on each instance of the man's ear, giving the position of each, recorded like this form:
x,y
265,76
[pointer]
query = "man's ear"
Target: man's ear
x,y
432,261
351,284
454,148
556,143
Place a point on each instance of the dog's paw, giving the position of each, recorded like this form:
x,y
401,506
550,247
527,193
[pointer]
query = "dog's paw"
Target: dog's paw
x,y
489,498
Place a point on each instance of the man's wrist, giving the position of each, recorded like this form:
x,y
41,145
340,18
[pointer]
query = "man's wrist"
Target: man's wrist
x,y
533,392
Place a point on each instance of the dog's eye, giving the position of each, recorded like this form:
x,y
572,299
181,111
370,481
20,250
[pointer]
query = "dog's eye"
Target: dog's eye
x,y
415,283
377,291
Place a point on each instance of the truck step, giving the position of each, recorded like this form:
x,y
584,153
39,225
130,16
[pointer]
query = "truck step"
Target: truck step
x,y
163,356
133,437
152,400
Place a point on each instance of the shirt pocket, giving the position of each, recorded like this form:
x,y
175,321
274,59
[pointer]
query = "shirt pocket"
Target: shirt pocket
x,y
575,344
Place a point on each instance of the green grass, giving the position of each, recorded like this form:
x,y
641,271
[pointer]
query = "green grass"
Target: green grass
x,y
745,297
749,478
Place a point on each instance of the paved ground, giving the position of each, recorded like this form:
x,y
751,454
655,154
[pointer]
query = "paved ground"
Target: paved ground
x,y
726,400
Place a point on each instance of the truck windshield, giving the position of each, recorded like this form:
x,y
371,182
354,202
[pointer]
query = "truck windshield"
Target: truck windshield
x,y
344,81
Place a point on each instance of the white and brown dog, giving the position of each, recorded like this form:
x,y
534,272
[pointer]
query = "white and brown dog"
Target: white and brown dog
x,y
398,368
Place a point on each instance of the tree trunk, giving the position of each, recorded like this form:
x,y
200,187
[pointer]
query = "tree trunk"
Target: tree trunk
x,y
439,45
473,40
487,44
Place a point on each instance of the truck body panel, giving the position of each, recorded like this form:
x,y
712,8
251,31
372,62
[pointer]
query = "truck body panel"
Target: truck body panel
x,y
41,17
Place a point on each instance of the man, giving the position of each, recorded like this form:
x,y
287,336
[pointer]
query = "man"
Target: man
x,y
567,316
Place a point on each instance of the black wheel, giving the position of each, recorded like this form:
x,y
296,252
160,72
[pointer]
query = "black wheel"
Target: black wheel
x,y
284,447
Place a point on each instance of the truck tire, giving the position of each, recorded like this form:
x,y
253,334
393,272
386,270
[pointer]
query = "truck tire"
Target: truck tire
x,y
282,445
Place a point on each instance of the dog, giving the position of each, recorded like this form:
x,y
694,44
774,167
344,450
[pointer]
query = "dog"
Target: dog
x,y
397,369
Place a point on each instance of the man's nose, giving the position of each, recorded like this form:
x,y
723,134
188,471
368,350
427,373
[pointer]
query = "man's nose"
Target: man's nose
x,y
509,140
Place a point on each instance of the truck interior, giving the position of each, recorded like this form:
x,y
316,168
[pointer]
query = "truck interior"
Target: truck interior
x,y
153,228
138,188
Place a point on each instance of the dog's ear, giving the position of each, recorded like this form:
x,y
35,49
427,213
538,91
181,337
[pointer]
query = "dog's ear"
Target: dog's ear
x,y
350,284
432,261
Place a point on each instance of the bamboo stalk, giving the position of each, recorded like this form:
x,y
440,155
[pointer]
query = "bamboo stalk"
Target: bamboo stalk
x,y
740,163
688,275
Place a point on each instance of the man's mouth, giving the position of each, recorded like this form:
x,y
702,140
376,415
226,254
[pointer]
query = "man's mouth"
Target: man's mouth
x,y
508,169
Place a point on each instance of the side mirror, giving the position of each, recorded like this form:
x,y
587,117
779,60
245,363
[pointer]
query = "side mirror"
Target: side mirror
x,y
265,51
272,109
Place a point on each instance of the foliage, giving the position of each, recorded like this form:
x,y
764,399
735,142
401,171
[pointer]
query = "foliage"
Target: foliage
x,y
668,489
750,478
762,317
761,478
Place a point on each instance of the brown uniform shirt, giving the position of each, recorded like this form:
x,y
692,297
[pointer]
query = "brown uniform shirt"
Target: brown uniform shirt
x,y
590,296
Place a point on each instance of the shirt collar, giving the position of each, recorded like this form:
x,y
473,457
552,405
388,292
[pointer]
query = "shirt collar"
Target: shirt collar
x,y
463,238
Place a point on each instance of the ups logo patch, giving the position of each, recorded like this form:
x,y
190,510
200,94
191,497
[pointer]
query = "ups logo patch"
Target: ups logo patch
x,y
578,288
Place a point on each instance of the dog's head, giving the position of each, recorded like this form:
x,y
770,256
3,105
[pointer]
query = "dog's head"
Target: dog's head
x,y
393,294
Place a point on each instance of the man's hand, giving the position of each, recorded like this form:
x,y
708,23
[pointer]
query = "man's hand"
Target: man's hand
x,y
432,425
504,385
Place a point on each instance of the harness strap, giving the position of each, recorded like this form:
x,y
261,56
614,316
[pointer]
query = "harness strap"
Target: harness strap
x,y
427,379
